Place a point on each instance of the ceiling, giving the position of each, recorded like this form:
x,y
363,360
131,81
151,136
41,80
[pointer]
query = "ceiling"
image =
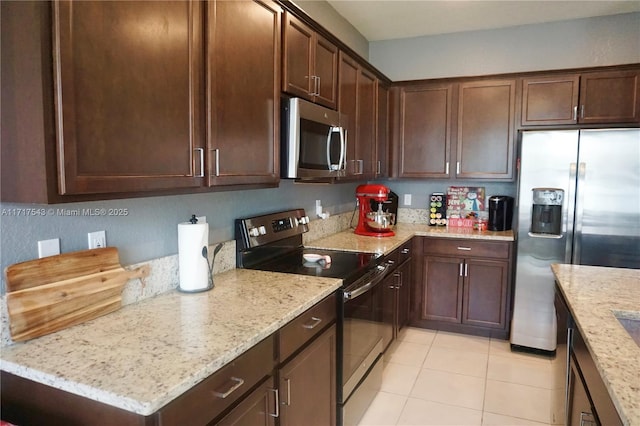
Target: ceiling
x,y
392,19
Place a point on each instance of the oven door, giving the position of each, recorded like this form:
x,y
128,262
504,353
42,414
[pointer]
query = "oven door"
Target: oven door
x,y
364,331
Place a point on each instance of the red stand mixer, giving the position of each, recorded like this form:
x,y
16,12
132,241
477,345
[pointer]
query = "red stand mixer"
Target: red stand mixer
x,y
374,223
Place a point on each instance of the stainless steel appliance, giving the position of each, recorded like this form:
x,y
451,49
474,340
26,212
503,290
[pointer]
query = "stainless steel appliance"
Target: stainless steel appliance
x,y
314,145
273,242
578,202
500,212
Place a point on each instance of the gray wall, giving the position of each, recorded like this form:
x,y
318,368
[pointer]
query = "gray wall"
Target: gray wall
x,y
609,40
149,230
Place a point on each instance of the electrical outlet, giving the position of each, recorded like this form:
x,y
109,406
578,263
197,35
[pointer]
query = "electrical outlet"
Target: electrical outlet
x,y
407,199
48,247
97,239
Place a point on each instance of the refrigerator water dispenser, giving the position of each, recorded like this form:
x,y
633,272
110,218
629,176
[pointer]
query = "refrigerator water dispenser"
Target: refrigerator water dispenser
x,y
546,217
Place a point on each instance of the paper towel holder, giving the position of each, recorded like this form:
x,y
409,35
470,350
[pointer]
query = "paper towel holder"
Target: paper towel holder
x,y
194,245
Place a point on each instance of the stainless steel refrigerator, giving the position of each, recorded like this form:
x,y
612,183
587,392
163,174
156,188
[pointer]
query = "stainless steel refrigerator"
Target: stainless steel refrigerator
x,y
578,202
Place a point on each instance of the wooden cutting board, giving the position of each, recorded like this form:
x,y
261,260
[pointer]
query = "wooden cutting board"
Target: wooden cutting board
x,y
49,294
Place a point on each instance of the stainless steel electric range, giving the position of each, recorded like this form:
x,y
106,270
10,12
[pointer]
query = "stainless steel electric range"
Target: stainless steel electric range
x,y
273,242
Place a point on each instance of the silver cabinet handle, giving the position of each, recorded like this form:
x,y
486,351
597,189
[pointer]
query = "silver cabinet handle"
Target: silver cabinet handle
x,y
464,248
460,269
313,323
446,168
587,419
201,150
457,167
317,86
582,111
379,168
288,402
575,112
217,161
466,269
277,400
236,383
405,251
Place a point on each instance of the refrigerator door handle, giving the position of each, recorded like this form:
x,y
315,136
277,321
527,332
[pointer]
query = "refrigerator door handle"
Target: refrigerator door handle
x,y
579,214
569,214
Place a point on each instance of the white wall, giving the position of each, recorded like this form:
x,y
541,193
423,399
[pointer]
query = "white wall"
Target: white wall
x,y
327,16
609,40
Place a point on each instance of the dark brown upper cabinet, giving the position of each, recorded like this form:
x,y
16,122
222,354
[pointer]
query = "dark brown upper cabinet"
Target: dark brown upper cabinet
x,y
243,92
109,99
550,100
127,95
382,119
425,131
358,105
587,98
485,136
310,63
469,121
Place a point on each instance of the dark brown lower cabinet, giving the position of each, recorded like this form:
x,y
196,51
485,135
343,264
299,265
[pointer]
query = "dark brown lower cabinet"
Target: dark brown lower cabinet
x,y
464,286
580,412
307,384
260,408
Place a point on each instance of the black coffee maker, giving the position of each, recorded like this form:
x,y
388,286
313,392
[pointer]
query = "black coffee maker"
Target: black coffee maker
x,y
500,212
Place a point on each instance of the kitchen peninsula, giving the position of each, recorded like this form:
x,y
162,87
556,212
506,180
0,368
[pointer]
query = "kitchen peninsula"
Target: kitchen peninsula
x,y
594,296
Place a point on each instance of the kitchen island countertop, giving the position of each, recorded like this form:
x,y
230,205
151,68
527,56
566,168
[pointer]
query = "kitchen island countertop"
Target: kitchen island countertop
x,y
347,240
144,355
593,295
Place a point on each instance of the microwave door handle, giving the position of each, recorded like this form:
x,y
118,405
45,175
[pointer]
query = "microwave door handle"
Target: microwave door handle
x,y
333,130
343,149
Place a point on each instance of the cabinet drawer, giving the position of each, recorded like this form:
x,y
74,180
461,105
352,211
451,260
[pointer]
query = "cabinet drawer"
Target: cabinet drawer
x,y
404,252
466,248
304,327
205,401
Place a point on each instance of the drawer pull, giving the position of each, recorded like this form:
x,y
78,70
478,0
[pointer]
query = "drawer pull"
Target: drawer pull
x,y
464,248
405,251
288,381
237,382
277,400
313,323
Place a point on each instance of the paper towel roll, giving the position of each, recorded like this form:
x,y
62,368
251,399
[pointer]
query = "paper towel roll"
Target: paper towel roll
x,y
192,266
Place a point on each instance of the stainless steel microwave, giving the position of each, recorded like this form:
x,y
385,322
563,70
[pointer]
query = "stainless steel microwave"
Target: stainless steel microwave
x,y
314,144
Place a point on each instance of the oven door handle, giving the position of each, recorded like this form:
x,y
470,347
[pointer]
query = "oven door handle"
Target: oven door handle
x,y
352,294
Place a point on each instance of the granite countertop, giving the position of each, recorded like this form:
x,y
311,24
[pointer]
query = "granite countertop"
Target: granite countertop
x,y
349,241
593,295
144,355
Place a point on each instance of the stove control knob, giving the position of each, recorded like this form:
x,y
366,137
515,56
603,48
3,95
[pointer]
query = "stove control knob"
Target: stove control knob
x,y
253,232
262,230
295,221
304,220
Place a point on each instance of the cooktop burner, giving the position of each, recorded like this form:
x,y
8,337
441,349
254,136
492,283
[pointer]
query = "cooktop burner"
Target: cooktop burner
x,y
273,242
345,265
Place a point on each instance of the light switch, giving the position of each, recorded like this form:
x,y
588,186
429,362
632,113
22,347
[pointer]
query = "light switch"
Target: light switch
x,y
407,199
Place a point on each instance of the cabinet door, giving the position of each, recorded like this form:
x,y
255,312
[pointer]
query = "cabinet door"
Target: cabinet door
x,y
425,131
382,121
550,100
610,97
366,122
485,146
326,71
257,409
121,126
244,92
404,294
485,292
298,44
307,384
580,411
390,308
442,289
347,105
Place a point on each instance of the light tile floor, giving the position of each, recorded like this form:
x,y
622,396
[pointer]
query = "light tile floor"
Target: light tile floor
x,y
438,378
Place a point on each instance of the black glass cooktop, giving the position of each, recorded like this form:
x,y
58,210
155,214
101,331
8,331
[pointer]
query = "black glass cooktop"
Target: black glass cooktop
x,y
348,266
